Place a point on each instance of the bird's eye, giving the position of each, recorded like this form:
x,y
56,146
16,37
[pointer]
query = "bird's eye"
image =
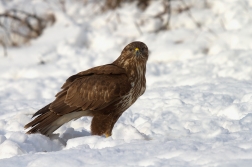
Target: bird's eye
x,y
131,49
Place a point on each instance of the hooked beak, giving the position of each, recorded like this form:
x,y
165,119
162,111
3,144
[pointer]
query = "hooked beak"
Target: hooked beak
x,y
137,52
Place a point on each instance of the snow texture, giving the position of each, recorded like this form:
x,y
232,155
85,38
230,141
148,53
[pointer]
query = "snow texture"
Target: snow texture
x,y
196,110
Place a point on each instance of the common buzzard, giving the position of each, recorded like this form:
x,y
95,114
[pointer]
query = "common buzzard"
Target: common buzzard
x,y
102,92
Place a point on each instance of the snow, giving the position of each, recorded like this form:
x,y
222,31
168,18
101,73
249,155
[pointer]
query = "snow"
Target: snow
x,y
196,110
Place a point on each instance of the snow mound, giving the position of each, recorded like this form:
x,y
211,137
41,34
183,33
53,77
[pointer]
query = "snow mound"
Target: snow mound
x,y
196,110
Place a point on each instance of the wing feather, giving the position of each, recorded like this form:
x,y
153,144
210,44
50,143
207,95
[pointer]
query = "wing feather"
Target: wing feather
x,y
93,89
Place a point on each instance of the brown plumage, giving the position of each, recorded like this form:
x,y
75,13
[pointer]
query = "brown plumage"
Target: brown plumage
x,y
102,92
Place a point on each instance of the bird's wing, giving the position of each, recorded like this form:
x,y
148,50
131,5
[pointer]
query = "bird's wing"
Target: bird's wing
x,y
99,70
93,89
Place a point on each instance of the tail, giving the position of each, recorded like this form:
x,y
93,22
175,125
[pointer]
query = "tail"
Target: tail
x,y
44,123
47,121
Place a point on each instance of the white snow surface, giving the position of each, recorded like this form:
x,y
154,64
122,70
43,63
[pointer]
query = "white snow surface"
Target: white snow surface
x,y
197,108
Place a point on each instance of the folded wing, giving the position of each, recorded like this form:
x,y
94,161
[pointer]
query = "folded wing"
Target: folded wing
x,y
93,89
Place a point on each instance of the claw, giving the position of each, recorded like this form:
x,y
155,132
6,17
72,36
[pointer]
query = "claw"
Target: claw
x,y
107,135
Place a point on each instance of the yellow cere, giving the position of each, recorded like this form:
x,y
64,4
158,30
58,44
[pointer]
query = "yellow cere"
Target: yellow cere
x,y
136,49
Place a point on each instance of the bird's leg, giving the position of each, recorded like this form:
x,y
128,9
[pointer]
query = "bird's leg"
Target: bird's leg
x,y
103,124
108,133
100,124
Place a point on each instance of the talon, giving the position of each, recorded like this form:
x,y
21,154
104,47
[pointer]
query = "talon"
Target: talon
x,y
107,135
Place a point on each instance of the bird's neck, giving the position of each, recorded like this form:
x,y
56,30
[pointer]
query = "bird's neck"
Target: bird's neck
x,y
134,69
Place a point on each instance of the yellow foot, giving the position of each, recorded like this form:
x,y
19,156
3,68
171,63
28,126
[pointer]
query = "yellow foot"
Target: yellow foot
x,y
107,135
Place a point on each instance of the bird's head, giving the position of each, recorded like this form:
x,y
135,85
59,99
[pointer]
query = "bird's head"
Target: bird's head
x,y
134,55
136,50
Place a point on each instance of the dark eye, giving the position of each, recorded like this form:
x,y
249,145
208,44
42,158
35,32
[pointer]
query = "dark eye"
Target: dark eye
x,y
131,49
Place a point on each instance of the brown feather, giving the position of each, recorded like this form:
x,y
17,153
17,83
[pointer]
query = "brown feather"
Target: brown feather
x,y
103,92
42,110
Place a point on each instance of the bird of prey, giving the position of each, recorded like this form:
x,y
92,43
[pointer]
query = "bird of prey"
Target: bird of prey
x,y
102,92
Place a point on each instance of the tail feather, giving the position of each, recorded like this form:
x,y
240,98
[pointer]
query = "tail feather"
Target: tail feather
x,y
42,110
47,121
42,124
